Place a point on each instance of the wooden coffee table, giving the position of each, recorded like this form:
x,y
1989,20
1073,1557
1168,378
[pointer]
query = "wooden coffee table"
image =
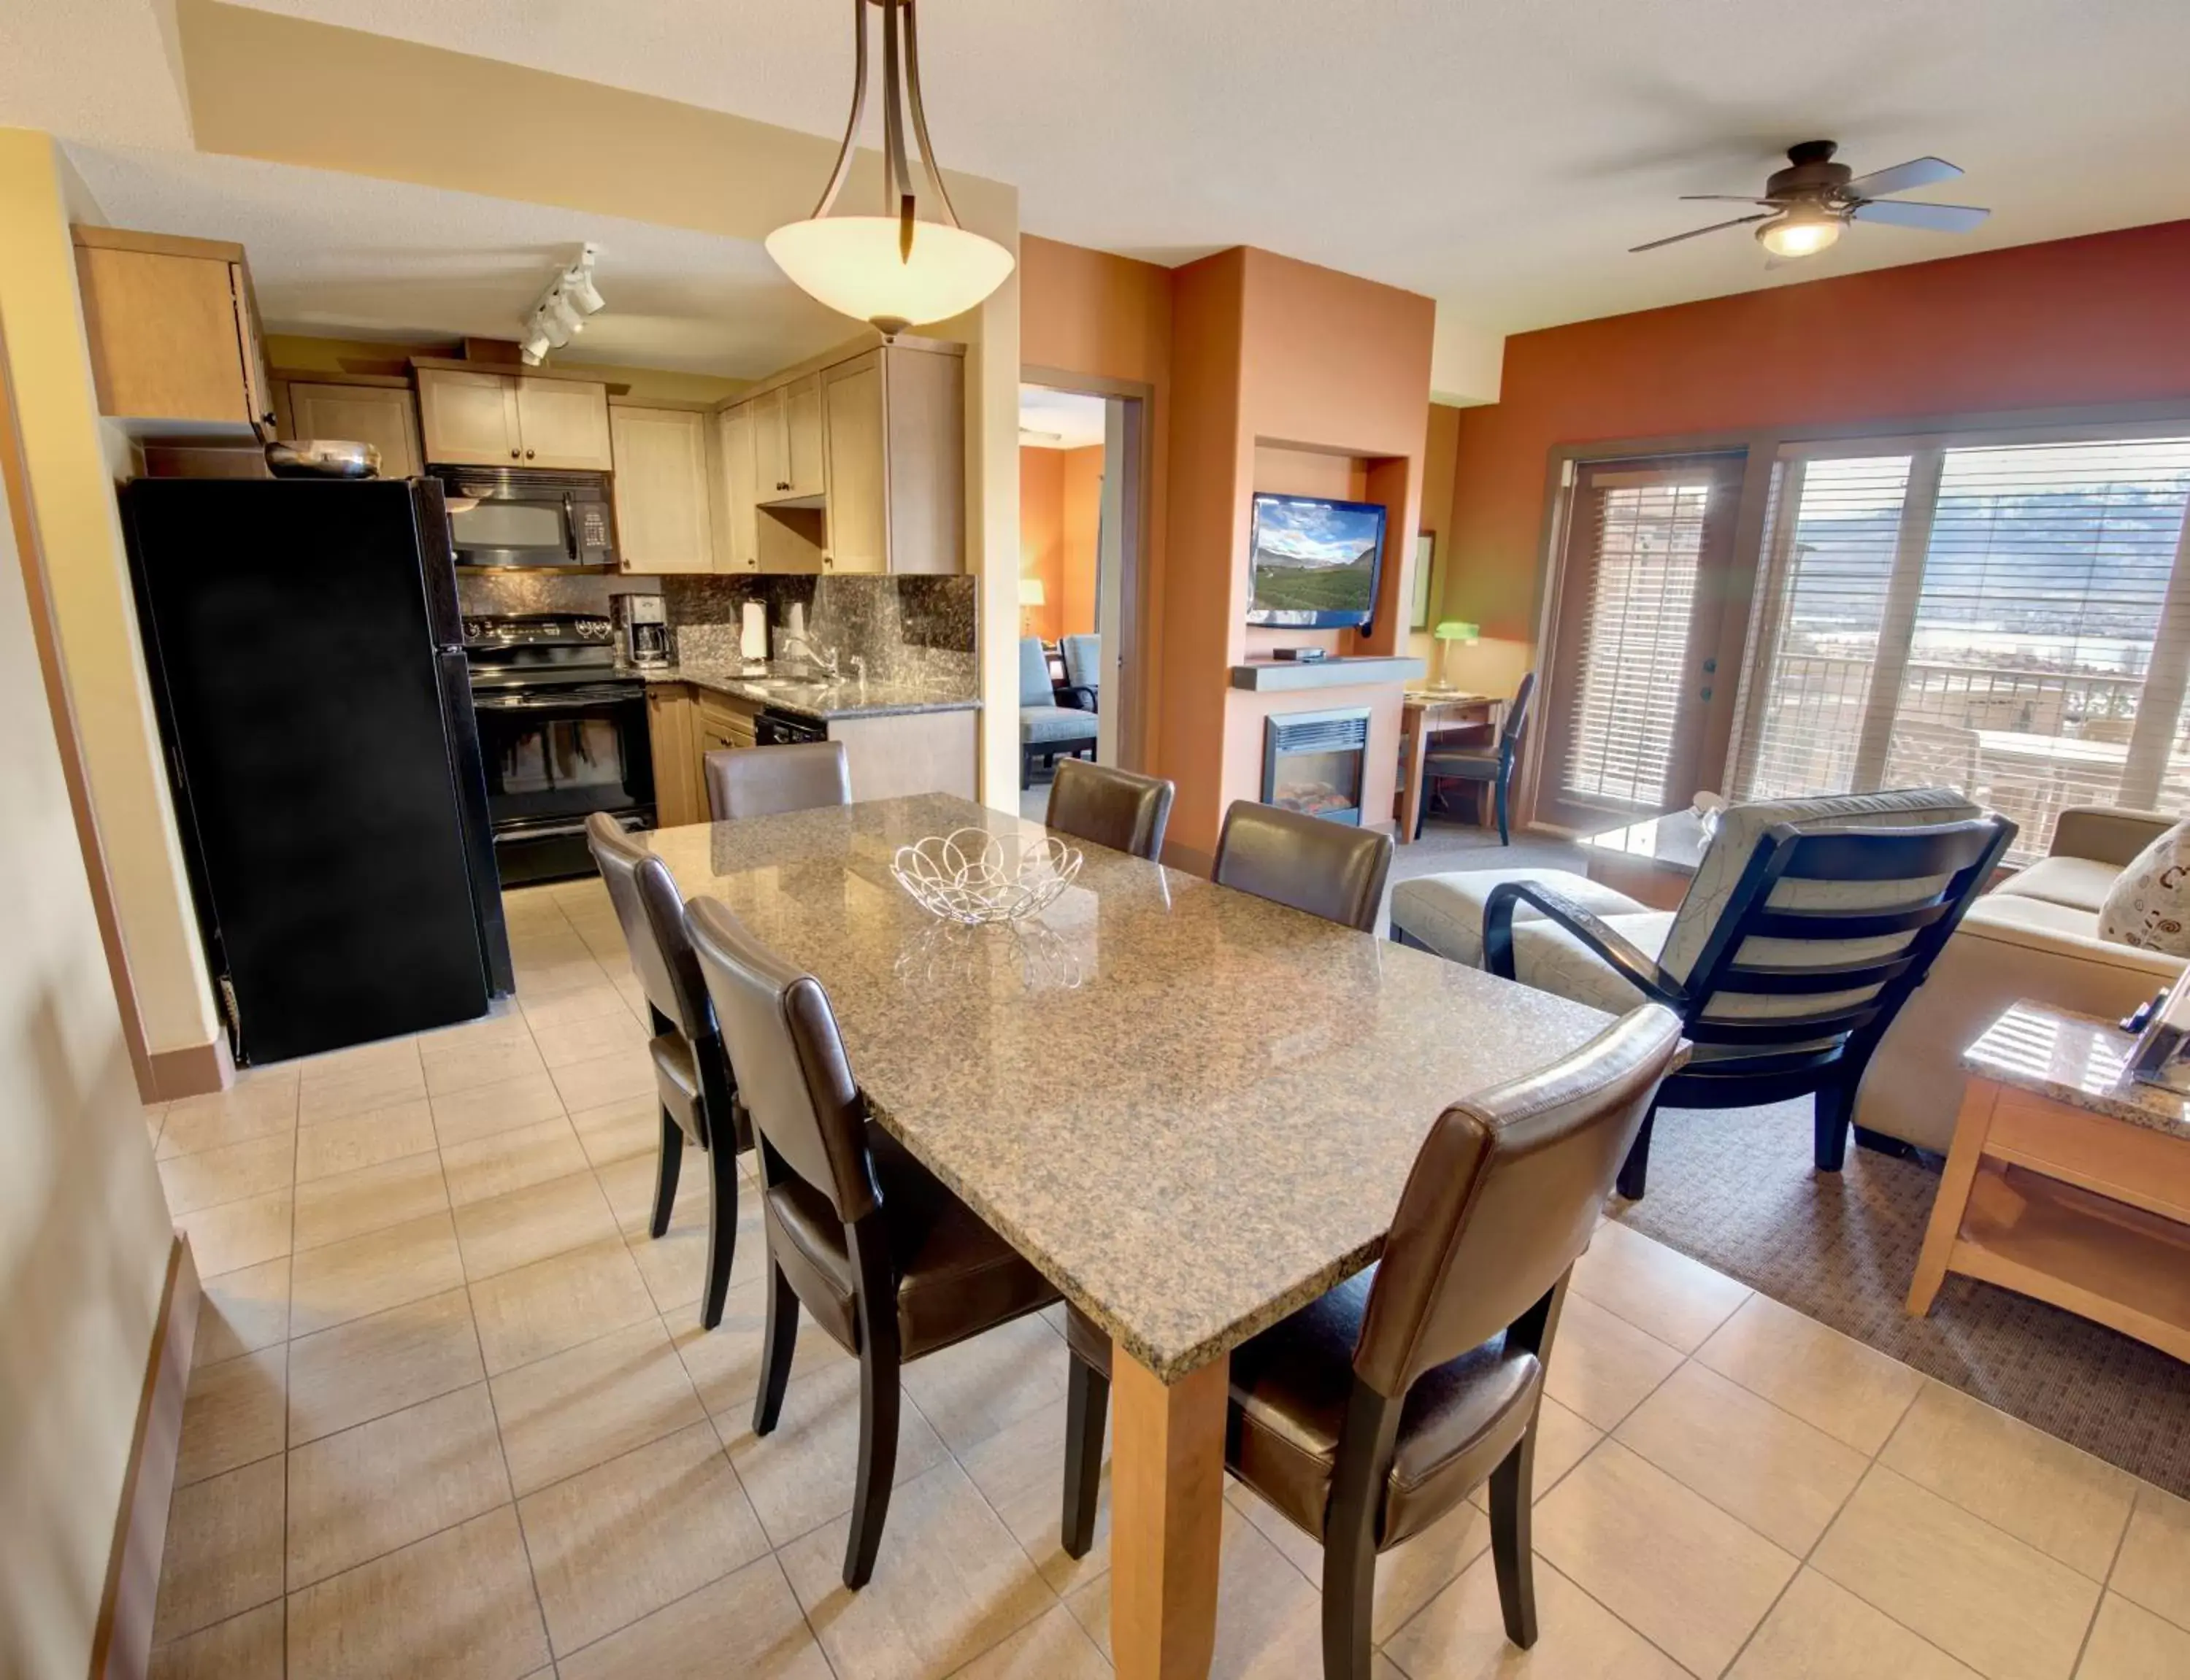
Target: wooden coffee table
x,y
2067,1181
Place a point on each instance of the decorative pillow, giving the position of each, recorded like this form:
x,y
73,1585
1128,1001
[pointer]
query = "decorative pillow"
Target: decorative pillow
x,y
2149,905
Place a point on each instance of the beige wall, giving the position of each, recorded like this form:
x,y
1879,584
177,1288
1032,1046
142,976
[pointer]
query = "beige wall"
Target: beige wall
x,y
1080,521
84,1233
69,454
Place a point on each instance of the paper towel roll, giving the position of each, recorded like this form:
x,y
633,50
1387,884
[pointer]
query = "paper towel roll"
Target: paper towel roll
x,y
753,631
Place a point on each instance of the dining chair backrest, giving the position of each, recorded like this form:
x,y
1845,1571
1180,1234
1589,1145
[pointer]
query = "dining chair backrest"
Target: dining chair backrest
x,y
1035,688
1334,870
1114,808
652,917
1083,661
764,781
1502,1199
1516,713
793,1076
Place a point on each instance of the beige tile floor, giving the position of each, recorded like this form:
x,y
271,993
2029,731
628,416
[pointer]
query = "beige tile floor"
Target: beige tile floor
x,y
452,1414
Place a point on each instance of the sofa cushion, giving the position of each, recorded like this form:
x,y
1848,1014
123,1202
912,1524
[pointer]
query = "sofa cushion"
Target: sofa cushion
x,y
2148,906
1445,912
1040,725
1035,686
2077,882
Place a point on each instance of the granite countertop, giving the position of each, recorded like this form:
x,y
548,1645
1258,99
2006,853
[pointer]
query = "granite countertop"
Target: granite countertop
x,y
820,700
2077,1060
1194,1110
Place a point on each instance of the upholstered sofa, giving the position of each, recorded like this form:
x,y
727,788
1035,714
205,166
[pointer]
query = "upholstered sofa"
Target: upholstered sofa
x,y
2035,936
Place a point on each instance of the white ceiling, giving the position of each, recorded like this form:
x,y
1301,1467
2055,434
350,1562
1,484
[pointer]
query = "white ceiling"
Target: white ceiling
x,y
351,256
1059,419
1498,157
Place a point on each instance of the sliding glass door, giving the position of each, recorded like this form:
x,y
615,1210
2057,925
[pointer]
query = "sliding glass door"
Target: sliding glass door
x,y
1643,584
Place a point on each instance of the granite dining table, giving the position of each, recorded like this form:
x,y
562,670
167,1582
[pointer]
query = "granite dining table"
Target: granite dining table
x,y
1193,1109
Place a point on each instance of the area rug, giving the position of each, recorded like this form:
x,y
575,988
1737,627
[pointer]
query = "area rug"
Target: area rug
x,y
1735,1190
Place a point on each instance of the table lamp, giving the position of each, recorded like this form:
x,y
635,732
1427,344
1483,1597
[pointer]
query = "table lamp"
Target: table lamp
x,y
1030,597
1449,630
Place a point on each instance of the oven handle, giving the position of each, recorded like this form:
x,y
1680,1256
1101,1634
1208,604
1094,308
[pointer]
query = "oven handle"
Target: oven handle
x,y
568,700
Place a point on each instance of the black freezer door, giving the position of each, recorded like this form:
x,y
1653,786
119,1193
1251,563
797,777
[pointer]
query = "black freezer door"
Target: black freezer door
x,y
294,630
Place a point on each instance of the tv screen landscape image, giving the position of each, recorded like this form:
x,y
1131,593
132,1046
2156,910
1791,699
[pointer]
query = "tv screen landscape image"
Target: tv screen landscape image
x,y
1314,564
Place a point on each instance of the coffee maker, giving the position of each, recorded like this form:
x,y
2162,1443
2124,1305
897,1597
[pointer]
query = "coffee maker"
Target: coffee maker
x,y
642,629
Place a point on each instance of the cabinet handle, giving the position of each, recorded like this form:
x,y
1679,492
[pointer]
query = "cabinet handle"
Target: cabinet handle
x,y
528,454
513,455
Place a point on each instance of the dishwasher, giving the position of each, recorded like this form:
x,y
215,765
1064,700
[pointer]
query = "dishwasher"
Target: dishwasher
x,y
782,728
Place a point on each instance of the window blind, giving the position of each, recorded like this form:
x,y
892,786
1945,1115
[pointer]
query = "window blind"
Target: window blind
x,y
2017,663
1809,700
1648,545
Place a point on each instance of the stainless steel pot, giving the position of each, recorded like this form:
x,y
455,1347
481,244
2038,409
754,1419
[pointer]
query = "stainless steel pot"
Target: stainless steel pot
x,y
322,458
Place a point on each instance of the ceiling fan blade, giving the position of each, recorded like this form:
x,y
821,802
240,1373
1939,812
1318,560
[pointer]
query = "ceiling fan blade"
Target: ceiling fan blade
x,y
1721,198
1938,218
1693,231
1918,172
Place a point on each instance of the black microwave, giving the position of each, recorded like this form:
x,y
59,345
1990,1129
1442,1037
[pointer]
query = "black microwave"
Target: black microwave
x,y
511,518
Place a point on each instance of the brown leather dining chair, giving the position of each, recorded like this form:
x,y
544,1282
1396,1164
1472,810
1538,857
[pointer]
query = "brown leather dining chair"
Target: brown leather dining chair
x,y
1376,1410
1114,808
1328,869
691,1075
764,781
891,1265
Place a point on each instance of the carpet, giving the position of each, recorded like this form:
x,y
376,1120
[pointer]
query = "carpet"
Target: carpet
x,y
1735,1189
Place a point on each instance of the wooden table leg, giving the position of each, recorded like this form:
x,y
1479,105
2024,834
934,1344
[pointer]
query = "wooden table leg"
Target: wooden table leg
x,y
1166,1519
1964,1155
1414,749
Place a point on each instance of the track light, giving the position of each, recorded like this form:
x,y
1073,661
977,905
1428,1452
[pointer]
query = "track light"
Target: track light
x,y
561,311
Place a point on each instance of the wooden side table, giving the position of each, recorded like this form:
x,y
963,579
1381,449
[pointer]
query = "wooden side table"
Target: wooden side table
x,y
1426,712
2067,1181
1652,861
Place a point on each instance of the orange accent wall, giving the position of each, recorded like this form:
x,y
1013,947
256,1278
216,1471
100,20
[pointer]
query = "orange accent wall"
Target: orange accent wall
x,y
1041,537
1080,524
2083,321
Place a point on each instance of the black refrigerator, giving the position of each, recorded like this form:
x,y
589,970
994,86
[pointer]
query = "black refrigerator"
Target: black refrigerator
x,y
306,657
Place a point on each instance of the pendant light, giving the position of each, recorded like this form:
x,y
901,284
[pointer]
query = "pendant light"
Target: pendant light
x,y
893,269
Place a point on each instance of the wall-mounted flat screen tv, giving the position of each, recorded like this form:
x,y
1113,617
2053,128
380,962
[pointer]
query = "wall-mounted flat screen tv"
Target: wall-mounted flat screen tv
x,y
1314,564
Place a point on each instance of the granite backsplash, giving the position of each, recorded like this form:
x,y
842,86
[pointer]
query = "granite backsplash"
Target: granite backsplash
x,y
908,630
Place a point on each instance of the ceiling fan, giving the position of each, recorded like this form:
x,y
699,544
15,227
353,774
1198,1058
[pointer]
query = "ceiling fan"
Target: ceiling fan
x,y
1807,203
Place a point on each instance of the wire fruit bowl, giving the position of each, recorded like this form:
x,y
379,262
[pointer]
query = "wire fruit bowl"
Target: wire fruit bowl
x,y
966,876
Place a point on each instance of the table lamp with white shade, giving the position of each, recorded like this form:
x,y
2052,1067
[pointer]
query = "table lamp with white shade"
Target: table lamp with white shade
x,y
1030,597
1449,630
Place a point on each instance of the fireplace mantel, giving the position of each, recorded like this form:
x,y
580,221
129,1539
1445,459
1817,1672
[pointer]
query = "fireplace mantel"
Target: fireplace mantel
x,y
1270,676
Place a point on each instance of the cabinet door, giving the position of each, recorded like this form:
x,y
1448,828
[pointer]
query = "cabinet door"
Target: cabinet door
x,y
468,419
859,523
672,723
565,423
381,415
803,438
771,447
661,489
166,336
741,546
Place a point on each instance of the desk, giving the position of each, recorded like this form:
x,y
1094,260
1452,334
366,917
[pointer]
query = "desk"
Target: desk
x,y
1194,1110
2067,1182
1426,712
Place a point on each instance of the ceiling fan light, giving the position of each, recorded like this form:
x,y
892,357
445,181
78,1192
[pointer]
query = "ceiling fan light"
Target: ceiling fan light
x,y
1799,234
852,264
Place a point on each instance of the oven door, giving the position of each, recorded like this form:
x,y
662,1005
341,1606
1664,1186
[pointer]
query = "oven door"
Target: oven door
x,y
554,757
528,527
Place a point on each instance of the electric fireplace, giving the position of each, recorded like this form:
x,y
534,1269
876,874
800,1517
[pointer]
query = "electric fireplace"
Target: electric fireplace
x,y
1312,761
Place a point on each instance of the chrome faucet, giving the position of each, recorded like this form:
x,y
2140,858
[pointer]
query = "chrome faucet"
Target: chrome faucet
x,y
824,657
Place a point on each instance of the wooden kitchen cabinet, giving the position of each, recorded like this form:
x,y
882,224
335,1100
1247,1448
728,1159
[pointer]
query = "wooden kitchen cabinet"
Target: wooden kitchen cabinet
x,y
739,547
478,419
859,489
672,730
789,453
172,328
661,489
896,422
384,415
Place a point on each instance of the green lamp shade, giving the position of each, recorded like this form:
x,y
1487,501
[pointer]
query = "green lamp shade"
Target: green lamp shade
x,y
1456,630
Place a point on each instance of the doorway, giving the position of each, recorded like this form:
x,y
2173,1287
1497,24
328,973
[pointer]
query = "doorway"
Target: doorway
x,y
1081,473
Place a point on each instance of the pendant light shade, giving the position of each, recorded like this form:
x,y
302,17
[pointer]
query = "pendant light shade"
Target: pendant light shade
x,y
892,269
852,263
